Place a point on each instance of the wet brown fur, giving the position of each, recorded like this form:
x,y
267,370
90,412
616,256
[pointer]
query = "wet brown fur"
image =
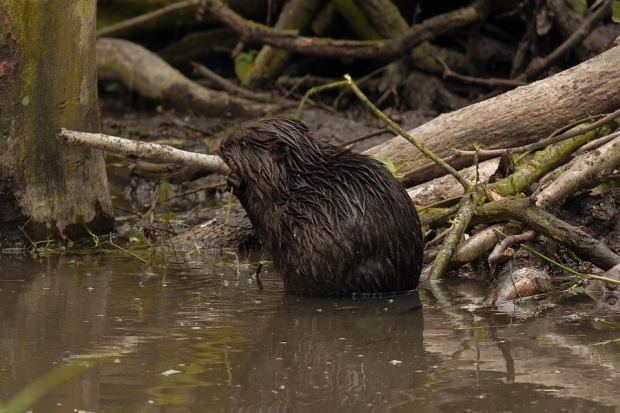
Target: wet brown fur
x,y
334,222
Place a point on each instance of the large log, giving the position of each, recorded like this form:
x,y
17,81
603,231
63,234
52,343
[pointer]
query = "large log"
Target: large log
x,y
142,71
518,117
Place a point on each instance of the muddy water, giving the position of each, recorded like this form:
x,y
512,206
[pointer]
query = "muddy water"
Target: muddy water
x,y
105,334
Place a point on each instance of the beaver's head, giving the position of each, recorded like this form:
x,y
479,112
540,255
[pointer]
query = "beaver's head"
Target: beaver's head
x,y
263,156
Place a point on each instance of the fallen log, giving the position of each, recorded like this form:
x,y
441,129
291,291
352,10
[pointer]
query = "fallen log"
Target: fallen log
x,y
144,72
521,116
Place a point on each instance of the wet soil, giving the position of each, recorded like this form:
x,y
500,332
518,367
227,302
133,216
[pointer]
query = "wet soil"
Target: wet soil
x,y
598,213
136,118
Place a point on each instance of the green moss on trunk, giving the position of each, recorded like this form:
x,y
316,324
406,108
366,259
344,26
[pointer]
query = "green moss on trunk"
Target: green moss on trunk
x,y
52,84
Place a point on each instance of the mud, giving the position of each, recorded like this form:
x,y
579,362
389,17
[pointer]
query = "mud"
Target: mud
x,y
597,213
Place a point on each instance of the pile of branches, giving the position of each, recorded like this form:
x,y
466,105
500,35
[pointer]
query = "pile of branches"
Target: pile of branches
x,y
422,56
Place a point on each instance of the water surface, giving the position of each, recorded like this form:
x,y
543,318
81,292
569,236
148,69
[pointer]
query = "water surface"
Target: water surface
x,y
111,335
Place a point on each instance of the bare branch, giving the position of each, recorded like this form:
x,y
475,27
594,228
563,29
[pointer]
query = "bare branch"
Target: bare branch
x,y
289,40
143,150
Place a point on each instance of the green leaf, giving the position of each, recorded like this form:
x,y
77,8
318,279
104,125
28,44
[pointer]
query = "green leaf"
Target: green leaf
x,y
615,11
243,63
580,6
389,164
392,168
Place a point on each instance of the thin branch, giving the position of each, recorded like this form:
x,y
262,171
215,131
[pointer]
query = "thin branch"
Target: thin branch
x,y
193,191
587,276
597,143
126,251
575,39
289,40
479,243
318,89
114,29
498,255
230,87
438,238
438,203
491,82
544,143
421,147
576,240
584,172
432,218
538,166
153,203
36,250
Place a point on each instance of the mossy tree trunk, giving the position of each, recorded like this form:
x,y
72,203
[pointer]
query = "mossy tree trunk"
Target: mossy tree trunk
x,y
48,81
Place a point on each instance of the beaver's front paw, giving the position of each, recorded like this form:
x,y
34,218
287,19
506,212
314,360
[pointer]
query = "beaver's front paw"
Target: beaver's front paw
x,y
233,181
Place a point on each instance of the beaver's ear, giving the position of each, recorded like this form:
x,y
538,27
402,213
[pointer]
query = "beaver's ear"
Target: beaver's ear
x,y
281,151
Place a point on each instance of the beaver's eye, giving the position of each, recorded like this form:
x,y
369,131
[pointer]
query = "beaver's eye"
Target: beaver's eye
x,y
242,144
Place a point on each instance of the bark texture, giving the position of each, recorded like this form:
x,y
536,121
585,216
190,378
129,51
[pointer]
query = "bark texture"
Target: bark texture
x,y
48,81
524,115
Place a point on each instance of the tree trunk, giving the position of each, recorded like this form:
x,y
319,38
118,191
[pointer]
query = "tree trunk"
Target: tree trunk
x,y
48,81
524,115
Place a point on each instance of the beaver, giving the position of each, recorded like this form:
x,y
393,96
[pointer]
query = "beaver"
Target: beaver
x,y
334,222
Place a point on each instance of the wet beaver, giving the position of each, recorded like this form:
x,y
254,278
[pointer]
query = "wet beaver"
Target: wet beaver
x,y
334,221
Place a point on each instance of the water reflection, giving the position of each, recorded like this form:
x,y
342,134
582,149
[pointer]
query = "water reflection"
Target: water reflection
x,y
317,354
199,335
